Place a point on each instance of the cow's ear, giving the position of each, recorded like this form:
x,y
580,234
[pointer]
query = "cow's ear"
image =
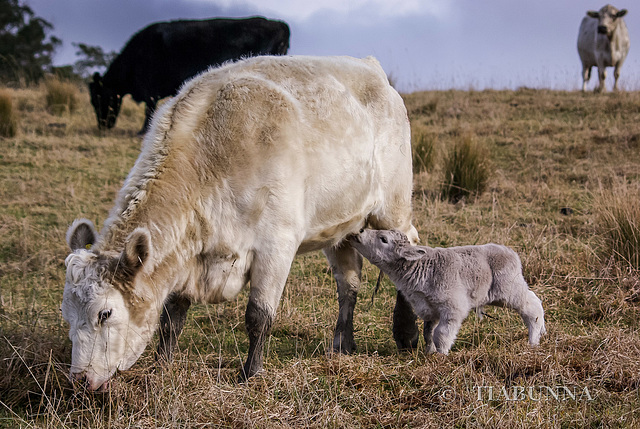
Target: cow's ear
x,y
97,79
81,234
593,14
621,13
137,249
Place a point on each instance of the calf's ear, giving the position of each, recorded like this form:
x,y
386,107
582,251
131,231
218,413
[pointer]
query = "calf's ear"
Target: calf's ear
x,y
81,234
413,253
137,249
621,13
593,14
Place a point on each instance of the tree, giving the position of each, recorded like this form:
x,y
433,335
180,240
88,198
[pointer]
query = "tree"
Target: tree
x,y
26,49
91,57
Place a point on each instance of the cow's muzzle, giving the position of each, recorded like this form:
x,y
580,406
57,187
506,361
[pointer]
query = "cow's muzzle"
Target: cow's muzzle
x,y
602,29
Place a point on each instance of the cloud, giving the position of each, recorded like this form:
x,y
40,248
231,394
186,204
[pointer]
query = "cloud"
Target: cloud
x,y
303,10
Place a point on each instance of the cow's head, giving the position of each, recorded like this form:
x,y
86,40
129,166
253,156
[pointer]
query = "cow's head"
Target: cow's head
x,y
607,19
110,320
106,102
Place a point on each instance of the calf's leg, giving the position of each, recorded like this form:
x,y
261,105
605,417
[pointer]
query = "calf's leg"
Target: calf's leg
x,y
174,314
346,265
430,323
446,332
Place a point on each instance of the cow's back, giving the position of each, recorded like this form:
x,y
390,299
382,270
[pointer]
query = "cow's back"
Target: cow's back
x,y
160,57
311,147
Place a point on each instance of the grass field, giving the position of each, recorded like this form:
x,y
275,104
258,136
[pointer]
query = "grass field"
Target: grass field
x,y
556,160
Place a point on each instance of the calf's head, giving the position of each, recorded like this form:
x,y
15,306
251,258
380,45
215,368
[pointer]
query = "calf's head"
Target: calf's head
x,y
608,19
110,319
106,102
385,247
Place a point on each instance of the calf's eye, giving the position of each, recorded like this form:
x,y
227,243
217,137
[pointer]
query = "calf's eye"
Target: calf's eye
x,y
103,316
384,240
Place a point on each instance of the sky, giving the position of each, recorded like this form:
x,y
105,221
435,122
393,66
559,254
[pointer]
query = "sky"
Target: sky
x,y
421,44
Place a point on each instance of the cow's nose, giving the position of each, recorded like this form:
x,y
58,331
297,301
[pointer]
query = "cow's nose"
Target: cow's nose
x,y
602,29
78,378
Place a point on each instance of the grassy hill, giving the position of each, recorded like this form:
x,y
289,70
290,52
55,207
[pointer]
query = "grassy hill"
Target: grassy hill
x,y
562,189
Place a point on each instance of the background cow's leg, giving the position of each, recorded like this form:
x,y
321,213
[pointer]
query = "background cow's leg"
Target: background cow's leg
x,y
616,75
148,114
268,277
602,75
405,330
586,75
174,314
346,265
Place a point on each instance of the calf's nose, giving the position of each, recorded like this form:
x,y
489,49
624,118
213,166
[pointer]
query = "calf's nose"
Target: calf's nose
x,y
602,29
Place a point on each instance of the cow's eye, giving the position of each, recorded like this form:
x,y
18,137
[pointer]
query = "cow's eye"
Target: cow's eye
x,y
384,239
103,316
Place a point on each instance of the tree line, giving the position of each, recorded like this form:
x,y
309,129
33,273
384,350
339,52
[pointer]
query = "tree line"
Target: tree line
x,y
27,47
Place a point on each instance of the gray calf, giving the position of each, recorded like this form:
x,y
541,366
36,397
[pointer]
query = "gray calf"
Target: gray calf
x,y
443,285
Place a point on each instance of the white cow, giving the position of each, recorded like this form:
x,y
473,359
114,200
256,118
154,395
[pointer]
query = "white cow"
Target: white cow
x,y
603,41
249,165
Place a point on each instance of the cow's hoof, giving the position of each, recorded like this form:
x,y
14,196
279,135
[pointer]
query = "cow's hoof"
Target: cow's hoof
x,y
343,346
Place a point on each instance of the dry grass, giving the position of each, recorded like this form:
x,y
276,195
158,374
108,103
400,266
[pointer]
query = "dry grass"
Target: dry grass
x,y
8,118
553,156
61,96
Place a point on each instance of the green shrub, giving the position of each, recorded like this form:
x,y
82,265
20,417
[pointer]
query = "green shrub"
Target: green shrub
x,y
423,152
8,118
618,222
60,96
466,170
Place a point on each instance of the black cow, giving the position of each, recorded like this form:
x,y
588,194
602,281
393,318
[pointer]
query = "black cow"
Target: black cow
x,y
159,58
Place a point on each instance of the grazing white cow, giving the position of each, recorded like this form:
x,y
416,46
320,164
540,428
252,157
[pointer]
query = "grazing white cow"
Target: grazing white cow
x,y
603,41
249,165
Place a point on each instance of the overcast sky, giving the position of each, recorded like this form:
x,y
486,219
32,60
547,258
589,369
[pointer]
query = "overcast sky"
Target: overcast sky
x,y
422,44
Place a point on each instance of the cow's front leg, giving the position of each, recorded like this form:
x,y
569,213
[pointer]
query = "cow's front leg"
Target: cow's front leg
x,y
268,277
602,76
346,265
174,314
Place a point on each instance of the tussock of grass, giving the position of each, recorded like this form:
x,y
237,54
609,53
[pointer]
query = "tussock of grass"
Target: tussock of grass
x,y
61,96
8,117
424,152
618,218
466,170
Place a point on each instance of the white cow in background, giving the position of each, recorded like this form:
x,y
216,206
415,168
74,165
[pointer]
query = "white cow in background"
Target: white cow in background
x,y
249,165
603,41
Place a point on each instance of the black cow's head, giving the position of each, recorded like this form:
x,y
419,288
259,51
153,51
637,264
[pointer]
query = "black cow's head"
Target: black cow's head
x,y
106,102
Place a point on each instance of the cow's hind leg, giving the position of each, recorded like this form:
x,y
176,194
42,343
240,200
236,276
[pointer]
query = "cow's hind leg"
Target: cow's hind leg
x,y
268,276
346,265
174,314
405,330
586,75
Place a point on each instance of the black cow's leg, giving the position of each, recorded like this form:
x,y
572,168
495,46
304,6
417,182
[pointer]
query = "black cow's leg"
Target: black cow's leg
x,y
148,114
346,264
405,330
174,314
